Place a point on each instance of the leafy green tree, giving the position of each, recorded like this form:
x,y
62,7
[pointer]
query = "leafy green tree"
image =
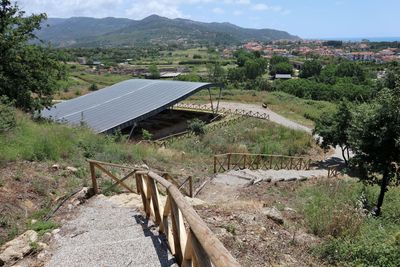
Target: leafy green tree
x,y
351,69
29,74
374,136
93,87
154,72
310,68
333,129
215,73
254,68
281,68
278,59
236,75
7,115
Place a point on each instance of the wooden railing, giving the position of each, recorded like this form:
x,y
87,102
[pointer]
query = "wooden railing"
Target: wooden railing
x,y
333,170
241,112
231,161
189,238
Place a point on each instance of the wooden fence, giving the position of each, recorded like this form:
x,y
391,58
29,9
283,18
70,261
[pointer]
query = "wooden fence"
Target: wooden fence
x,y
232,161
241,112
333,170
189,238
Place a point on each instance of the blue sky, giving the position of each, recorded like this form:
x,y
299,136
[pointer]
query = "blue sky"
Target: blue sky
x,y
306,18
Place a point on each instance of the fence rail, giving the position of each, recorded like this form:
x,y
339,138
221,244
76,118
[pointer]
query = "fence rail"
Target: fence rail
x,y
333,170
241,112
189,238
229,161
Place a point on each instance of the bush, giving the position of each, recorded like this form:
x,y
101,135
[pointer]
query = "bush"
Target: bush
x,y
197,126
93,87
146,134
7,115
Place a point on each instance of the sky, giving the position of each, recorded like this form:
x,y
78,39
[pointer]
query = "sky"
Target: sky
x,y
305,18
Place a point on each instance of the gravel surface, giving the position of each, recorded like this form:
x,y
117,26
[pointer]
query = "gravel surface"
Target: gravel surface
x,y
110,232
246,176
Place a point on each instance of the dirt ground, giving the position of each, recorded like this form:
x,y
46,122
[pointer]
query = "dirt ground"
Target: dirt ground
x,y
236,215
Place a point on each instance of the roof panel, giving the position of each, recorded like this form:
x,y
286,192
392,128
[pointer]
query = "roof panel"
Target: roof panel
x,y
123,103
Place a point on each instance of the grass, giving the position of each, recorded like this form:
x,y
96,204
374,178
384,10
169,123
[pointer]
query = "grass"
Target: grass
x,y
334,211
297,109
44,141
249,135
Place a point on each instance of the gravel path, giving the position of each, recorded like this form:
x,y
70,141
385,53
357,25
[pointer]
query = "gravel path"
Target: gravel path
x,y
110,231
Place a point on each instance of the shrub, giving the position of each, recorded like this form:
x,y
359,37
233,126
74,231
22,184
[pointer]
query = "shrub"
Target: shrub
x,y
146,134
7,115
93,87
197,126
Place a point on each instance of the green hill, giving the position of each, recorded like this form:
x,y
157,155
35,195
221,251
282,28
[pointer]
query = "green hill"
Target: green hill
x,y
111,32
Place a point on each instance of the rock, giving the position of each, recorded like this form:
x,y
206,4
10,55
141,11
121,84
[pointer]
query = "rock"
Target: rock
x,y
42,245
273,214
72,169
46,237
289,209
33,221
18,247
55,167
82,196
55,231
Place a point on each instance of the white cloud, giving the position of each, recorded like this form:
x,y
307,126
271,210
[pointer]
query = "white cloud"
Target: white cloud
x,y
218,10
260,7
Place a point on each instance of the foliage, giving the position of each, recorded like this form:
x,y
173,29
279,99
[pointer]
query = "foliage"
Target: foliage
x,y
334,211
28,74
93,87
146,134
281,68
374,136
215,73
310,89
250,135
154,72
7,115
197,126
333,129
43,226
310,68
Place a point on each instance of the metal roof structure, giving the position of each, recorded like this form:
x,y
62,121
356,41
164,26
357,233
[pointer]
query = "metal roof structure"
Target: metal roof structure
x,y
123,104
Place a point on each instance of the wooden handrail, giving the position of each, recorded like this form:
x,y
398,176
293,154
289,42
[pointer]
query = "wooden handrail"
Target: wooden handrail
x,y
197,246
228,161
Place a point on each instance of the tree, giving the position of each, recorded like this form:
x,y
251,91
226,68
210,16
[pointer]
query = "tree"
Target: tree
x,y
154,72
281,68
351,69
310,68
29,74
254,68
216,73
197,126
374,136
278,59
333,129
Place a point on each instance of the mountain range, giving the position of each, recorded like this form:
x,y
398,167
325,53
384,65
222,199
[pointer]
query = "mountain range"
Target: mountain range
x,y
114,32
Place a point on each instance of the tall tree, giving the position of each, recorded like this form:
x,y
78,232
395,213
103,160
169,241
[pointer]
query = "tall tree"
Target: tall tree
x,y
310,68
333,129
374,136
29,74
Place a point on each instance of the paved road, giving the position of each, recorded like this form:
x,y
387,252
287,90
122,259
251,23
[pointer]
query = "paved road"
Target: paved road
x,y
110,232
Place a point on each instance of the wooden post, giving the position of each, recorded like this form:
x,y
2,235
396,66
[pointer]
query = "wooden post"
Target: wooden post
x,y
244,161
229,161
215,164
94,180
190,186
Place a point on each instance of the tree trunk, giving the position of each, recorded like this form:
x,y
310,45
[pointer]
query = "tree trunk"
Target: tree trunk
x,y
343,154
384,184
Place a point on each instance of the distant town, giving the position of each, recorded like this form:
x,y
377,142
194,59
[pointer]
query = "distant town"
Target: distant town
x,y
355,51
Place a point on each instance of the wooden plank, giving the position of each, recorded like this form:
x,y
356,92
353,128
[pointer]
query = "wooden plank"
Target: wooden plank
x,y
201,255
176,231
113,177
94,179
187,256
158,212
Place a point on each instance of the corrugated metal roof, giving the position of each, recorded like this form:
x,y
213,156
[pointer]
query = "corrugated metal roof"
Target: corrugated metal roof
x,y
122,104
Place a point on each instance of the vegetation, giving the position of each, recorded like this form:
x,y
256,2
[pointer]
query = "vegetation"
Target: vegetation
x,y
7,115
250,135
197,126
335,211
28,74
